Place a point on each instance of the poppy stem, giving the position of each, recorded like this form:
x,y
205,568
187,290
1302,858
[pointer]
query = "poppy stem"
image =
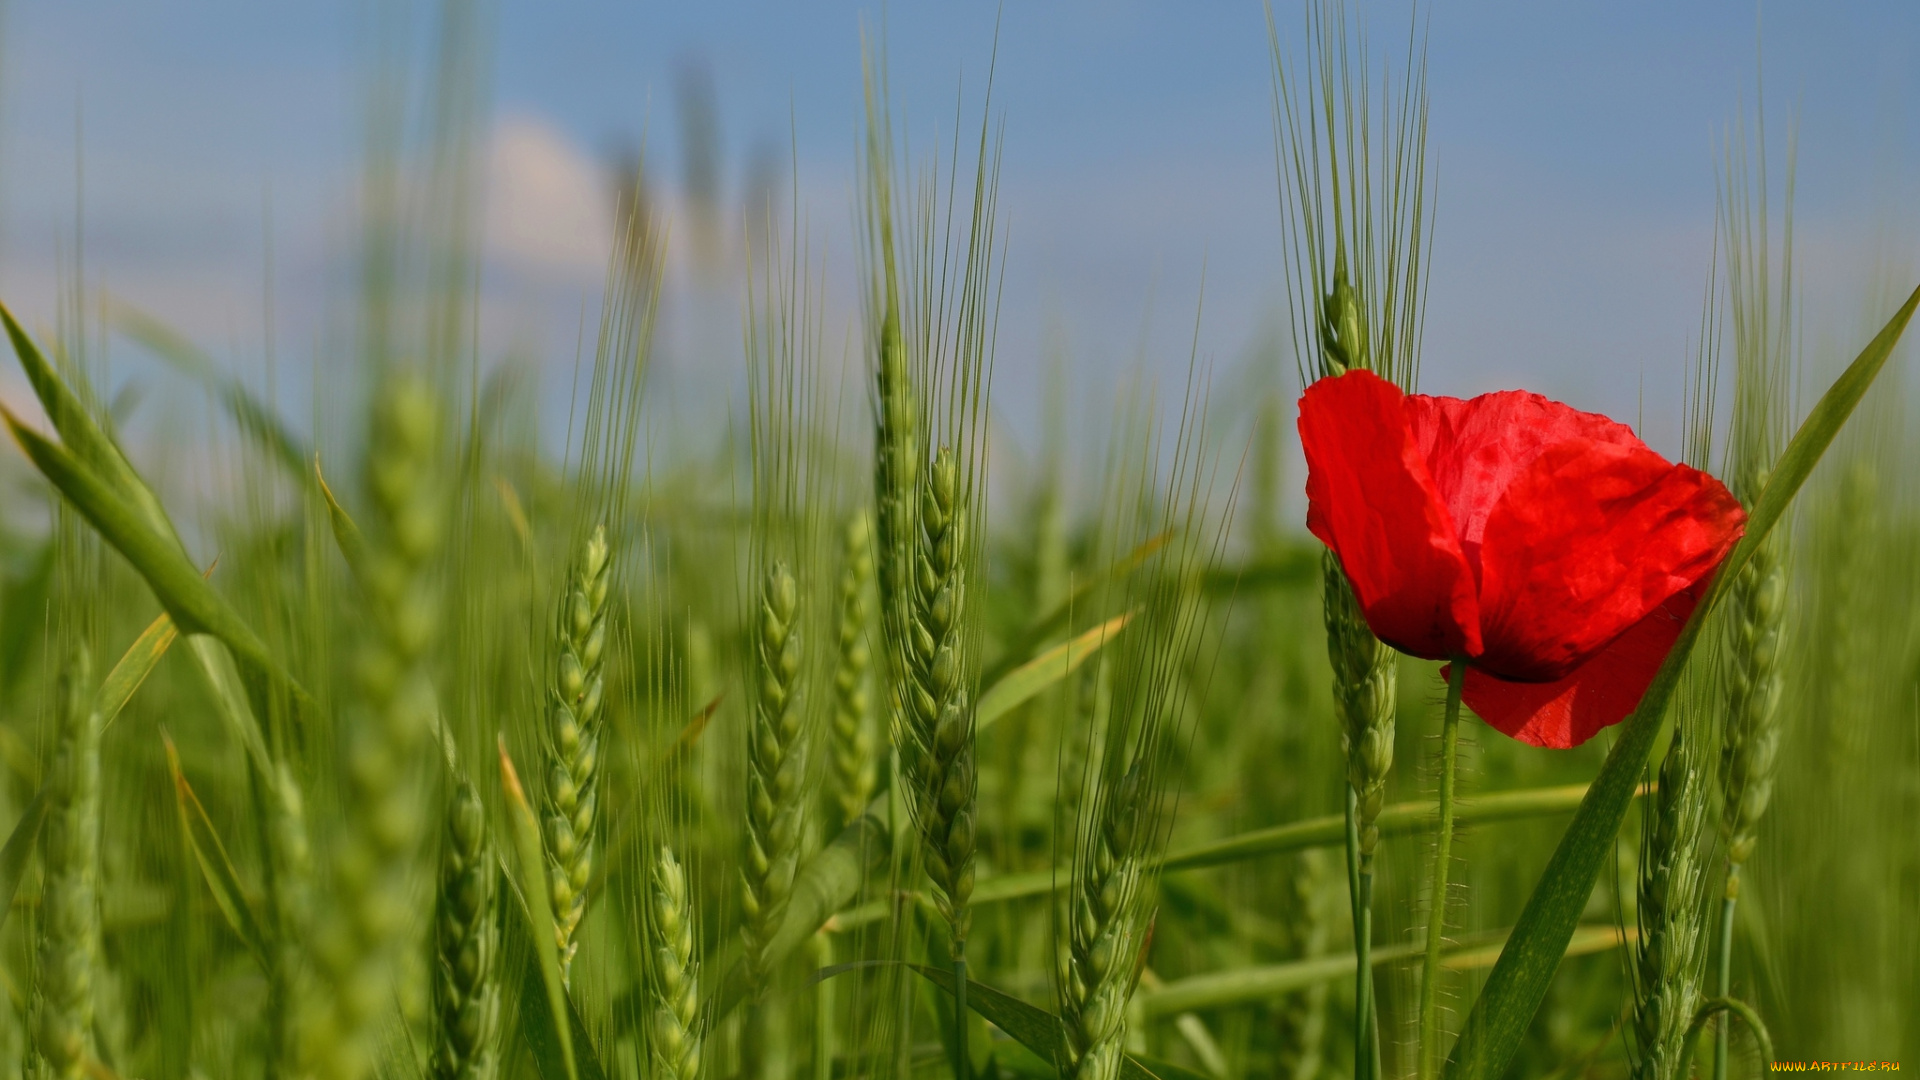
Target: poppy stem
x,y
1366,1046
1442,856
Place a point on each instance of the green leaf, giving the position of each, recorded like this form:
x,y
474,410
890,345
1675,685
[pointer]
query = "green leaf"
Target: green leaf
x,y
1039,1030
1022,683
134,666
1519,981
346,532
119,686
215,866
93,475
1293,566
77,429
540,926
13,857
1142,1067
194,604
536,1008
1054,621
22,603
827,884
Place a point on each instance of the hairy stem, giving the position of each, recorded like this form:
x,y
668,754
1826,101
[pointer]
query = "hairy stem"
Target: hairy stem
x,y
1442,854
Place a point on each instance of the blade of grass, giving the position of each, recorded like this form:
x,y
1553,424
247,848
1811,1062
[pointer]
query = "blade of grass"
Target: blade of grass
x,y
1022,683
1519,981
526,842
536,1009
346,533
76,427
215,866
20,845
1022,646
120,684
194,604
134,666
825,885
1039,1030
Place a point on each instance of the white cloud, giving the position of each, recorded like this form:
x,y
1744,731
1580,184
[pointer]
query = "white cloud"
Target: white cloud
x,y
548,208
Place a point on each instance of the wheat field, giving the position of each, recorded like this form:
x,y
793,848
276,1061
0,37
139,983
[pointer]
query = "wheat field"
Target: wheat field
x,y
439,738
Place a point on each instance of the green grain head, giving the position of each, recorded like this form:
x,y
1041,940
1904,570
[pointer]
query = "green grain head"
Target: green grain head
x,y
362,934
61,1013
573,739
776,767
1669,958
466,977
674,1034
854,753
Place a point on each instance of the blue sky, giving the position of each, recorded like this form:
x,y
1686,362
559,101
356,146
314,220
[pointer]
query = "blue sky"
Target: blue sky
x,y
1573,144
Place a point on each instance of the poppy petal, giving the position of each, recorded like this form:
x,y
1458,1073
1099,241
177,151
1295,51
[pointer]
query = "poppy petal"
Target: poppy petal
x,y
1371,500
1586,542
1475,448
1599,693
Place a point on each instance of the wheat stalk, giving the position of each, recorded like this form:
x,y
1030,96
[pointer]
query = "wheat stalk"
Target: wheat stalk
x,y
61,1015
466,990
573,740
360,938
1760,299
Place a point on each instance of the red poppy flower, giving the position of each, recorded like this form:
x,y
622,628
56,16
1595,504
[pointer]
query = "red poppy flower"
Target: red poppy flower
x,y
1548,546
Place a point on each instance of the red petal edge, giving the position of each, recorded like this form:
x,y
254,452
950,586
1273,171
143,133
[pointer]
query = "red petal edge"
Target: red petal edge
x,y
1586,542
1370,499
1600,693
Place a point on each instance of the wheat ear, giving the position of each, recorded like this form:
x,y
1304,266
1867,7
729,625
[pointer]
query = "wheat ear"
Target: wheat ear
x,y
674,1036
939,720
855,762
573,740
62,1008
1107,916
1667,959
776,763
360,939
466,983
1364,677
